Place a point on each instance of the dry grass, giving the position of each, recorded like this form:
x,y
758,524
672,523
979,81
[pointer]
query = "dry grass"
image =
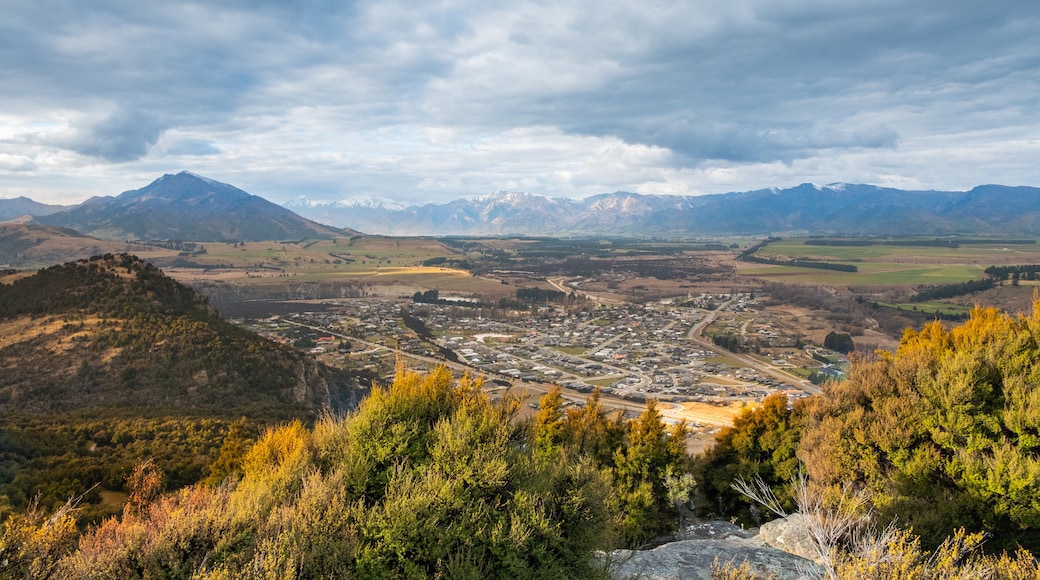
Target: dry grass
x,y
709,414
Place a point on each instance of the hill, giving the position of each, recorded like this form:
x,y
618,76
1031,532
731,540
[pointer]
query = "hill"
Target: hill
x,y
836,209
114,331
186,206
29,246
106,361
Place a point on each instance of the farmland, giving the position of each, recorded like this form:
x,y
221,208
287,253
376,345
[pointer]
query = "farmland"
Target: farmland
x,y
343,263
893,262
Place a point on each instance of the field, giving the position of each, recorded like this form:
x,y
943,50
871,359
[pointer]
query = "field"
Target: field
x,y
888,265
359,261
943,308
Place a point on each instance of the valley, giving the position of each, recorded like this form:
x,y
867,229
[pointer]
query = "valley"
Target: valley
x,y
110,358
634,319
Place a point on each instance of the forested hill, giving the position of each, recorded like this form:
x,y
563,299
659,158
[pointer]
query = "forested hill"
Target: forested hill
x,y
113,331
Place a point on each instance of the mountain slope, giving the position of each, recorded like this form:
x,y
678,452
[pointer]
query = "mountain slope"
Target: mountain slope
x,y
113,331
186,206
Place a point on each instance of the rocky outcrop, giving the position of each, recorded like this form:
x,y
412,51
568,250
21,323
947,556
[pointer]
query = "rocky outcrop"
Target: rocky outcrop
x,y
710,543
790,535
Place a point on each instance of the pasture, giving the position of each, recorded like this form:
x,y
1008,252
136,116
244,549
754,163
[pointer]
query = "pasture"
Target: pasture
x,y
888,265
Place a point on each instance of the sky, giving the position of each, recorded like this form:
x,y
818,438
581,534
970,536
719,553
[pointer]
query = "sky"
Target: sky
x,y
430,101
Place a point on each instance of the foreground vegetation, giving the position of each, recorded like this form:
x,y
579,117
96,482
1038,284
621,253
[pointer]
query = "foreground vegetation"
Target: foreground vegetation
x,y
425,479
940,435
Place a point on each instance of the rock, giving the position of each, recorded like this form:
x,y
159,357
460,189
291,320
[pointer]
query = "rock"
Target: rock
x,y
790,535
693,559
715,531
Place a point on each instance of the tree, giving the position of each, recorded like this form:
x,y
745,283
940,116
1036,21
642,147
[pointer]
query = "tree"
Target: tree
x,y
762,443
944,433
548,424
232,451
643,467
839,342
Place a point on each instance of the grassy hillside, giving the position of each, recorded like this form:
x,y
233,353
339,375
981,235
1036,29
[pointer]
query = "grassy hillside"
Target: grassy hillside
x,y
114,331
26,246
105,361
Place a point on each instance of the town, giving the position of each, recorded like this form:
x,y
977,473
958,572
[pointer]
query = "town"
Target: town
x,y
630,352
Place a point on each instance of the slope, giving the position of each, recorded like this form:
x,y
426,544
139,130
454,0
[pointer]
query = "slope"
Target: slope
x,y
29,246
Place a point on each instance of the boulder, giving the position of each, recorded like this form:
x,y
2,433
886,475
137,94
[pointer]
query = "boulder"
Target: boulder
x,y
693,559
790,535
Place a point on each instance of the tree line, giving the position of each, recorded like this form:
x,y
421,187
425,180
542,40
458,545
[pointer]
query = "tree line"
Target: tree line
x,y
749,255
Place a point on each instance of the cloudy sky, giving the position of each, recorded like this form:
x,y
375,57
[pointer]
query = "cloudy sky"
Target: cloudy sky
x,y
430,101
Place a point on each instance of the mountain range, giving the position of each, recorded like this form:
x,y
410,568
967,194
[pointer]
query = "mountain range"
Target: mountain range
x,y
836,209
186,206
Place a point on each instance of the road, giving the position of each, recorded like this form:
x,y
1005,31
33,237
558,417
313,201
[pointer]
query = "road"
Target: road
x,y
696,335
559,283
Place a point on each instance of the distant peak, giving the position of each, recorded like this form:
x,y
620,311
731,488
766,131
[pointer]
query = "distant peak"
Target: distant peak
x,y
362,201
503,195
197,176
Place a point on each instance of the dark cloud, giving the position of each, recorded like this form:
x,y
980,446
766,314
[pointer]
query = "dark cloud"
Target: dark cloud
x,y
122,136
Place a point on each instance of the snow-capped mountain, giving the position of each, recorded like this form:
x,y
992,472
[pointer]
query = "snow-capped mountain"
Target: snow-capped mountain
x,y
836,208
188,206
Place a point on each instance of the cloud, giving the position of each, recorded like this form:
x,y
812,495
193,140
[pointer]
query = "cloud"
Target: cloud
x,y
16,163
419,100
120,137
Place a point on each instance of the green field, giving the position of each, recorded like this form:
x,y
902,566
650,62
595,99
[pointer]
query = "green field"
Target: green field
x,y
571,350
724,360
888,264
352,254
934,307
986,254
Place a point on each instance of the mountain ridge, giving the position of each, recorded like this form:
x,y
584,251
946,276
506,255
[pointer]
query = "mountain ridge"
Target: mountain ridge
x,y
810,209
188,206
17,207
